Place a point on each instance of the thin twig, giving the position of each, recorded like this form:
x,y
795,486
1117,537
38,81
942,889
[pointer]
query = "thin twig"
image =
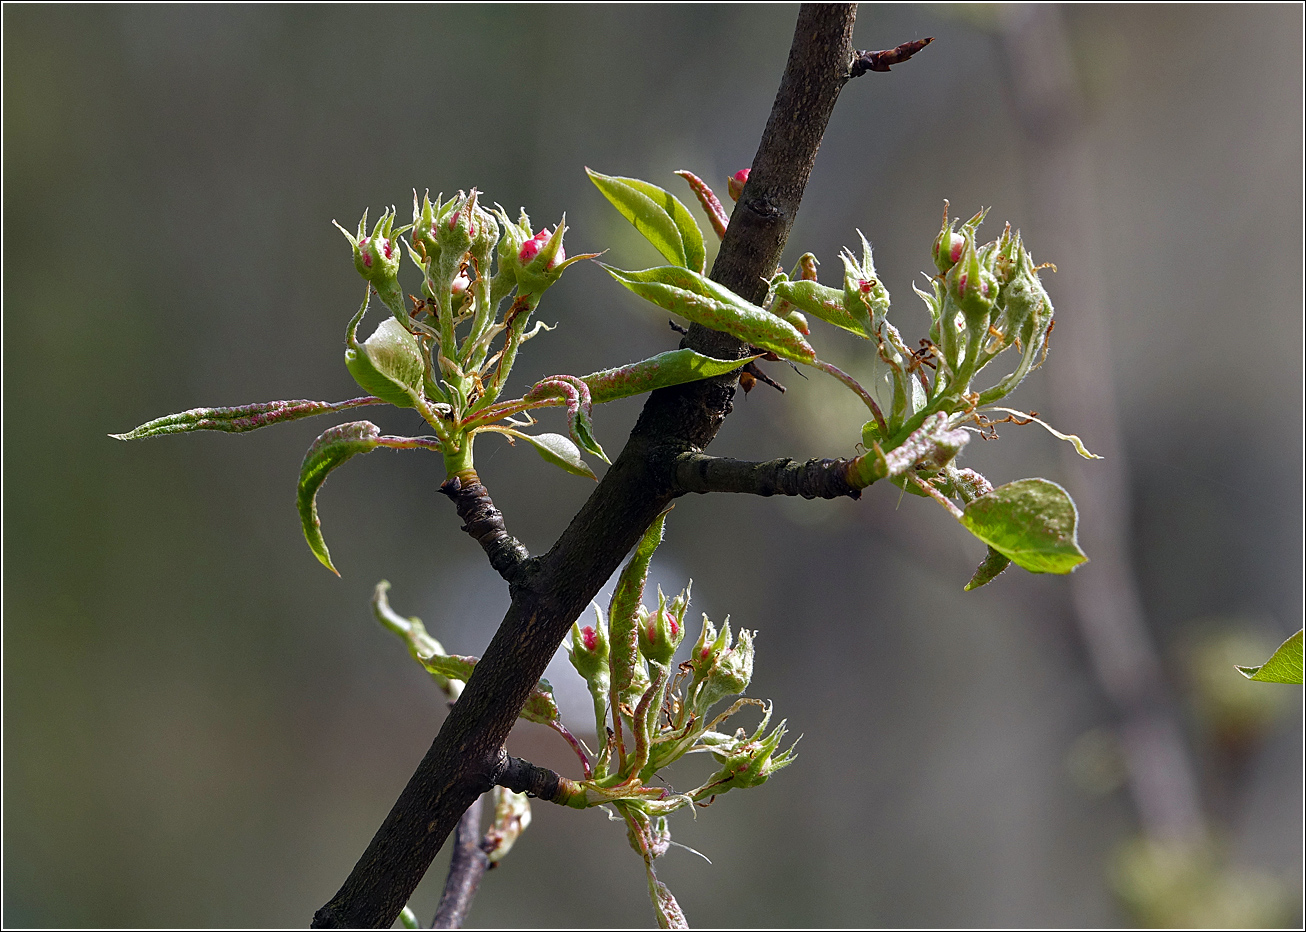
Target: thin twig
x,y
485,524
468,866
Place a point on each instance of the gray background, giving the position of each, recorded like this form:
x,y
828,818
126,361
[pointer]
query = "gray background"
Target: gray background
x,y
203,727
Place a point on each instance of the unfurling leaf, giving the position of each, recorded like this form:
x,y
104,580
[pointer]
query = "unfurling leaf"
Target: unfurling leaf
x,y
243,417
660,371
992,567
1032,521
328,451
555,449
1284,665
662,219
824,303
388,364
703,301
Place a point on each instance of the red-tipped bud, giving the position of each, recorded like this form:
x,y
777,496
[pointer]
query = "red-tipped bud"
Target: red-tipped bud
x,y
460,285
736,183
589,653
659,636
531,248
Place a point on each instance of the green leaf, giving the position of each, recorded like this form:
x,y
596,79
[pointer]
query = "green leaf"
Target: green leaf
x,y
1032,521
328,451
242,418
541,707
555,449
662,219
825,303
389,364
660,371
623,610
992,567
703,301
1284,665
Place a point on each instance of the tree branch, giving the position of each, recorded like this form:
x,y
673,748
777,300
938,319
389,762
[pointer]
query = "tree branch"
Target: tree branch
x,y
549,593
698,472
468,866
485,524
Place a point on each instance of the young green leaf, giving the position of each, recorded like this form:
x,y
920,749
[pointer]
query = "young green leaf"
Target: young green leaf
x,y
825,303
989,570
1032,521
388,364
703,301
623,611
328,451
662,219
243,417
555,449
1284,665
660,371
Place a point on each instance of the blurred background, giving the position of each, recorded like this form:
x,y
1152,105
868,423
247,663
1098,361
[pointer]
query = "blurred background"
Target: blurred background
x,y
203,727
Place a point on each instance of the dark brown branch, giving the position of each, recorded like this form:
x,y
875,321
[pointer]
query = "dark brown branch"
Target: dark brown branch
x,y
521,776
880,61
485,524
549,593
468,866
698,472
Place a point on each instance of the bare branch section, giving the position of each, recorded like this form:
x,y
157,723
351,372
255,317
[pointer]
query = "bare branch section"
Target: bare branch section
x,y
698,472
485,524
468,866
549,593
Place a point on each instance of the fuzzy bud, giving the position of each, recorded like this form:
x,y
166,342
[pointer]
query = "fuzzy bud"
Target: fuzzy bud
x,y
377,257
659,636
589,653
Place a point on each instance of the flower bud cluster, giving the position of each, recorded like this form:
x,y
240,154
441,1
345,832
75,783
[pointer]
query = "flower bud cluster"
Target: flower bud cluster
x,y
988,298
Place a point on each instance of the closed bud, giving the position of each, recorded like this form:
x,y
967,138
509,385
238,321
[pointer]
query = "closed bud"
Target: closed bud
x,y
719,669
736,183
660,634
751,762
377,259
589,653
971,285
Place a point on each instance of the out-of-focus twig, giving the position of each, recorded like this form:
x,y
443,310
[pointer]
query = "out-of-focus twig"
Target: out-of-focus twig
x,y
1109,612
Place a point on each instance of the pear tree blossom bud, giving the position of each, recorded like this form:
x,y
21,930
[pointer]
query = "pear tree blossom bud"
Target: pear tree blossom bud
x,y
736,183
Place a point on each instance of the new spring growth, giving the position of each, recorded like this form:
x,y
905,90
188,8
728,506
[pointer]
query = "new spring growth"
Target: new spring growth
x,y
377,259
735,186
662,631
718,668
751,762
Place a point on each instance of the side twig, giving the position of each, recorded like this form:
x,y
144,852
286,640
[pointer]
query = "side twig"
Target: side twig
x,y
698,472
468,866
485,524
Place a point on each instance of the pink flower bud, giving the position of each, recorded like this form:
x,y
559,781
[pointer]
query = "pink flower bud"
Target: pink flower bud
x,y
460,284
531,248
736,183
589,638
387,249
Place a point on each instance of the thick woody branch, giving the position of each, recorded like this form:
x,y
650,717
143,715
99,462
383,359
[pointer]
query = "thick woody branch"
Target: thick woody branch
x,y
698,472
485,524
551,591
